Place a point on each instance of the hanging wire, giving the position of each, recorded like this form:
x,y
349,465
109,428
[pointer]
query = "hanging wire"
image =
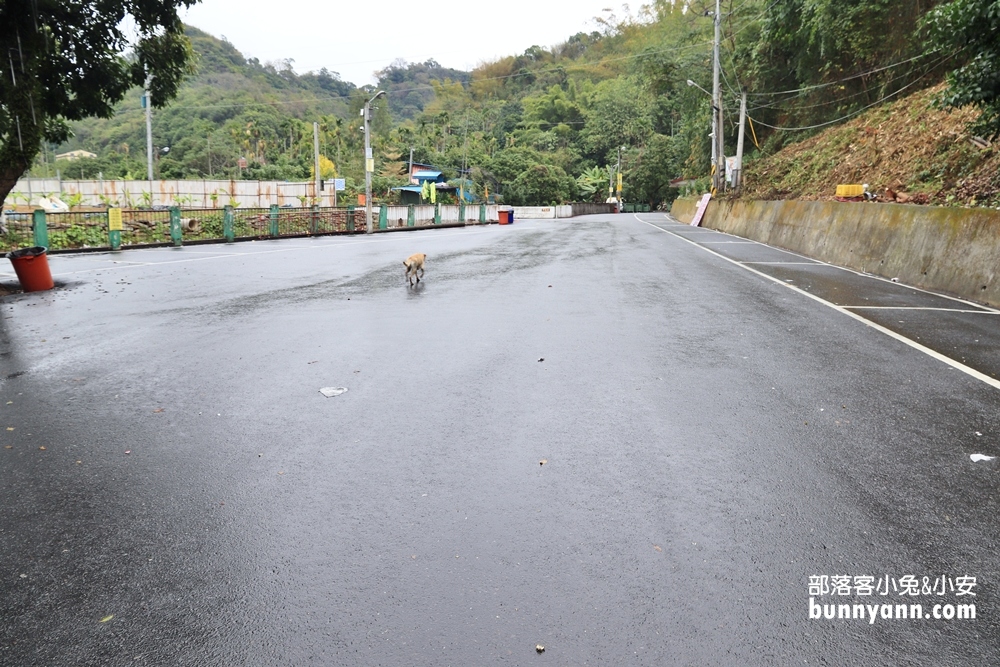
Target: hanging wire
x,y
846,97
850,115
848,78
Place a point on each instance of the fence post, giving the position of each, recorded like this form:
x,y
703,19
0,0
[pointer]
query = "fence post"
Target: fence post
x,y
176,233
275,211
410,216
350,218
461,211
40,228
383,216
437,214
314,219
227,225
115,228
482,213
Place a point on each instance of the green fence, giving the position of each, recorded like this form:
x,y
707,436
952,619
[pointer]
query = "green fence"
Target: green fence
x,y
79,230
18,232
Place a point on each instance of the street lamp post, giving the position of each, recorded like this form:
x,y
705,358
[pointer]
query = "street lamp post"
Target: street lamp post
x,y
369,162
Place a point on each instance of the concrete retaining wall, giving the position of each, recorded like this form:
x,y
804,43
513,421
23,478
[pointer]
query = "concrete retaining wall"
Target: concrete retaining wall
x,y
589,209
953,250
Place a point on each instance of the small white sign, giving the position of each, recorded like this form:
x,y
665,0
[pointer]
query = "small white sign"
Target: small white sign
x,y
339,184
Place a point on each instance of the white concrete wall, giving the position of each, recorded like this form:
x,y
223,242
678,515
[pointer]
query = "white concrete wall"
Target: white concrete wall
x,y
256,194
534,213
191,193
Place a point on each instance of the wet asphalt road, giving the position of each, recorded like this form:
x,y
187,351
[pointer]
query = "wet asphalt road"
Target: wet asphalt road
x,y
713,439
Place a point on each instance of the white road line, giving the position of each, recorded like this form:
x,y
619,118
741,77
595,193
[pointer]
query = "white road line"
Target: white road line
x,y
726,242
943,310
972,372
785,263
855,272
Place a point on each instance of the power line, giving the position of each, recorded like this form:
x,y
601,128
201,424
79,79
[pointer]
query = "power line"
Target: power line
x,y
800,107
849,78
842,118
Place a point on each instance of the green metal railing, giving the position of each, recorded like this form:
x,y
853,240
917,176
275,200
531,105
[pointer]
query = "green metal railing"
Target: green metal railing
x,y
19,232
130,228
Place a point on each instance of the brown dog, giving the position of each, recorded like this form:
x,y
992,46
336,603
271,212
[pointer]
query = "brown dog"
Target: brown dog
x,y
413,264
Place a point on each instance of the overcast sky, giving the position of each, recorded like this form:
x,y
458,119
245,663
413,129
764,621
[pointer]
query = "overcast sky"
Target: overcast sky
x,y
333,34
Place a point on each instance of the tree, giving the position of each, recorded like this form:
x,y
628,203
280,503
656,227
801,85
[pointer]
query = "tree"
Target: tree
x,y
72,60
621,115
540,185
972,29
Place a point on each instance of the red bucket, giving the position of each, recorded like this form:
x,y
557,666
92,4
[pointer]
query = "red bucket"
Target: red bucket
x,y
32,268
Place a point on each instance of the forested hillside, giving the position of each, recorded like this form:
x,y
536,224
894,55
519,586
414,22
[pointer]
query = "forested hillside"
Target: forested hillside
x,y
548,124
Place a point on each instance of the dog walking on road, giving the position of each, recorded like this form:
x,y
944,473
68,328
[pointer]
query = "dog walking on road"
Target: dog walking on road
x,y
413,264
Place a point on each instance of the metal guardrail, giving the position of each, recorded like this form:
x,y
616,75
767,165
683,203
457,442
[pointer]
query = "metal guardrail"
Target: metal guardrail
x,y
115,228
112,229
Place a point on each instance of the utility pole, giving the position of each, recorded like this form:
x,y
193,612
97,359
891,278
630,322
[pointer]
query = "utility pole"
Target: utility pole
x,y
409,175
147,102
738,176
619,197
316,160
369,162
465,152
719,180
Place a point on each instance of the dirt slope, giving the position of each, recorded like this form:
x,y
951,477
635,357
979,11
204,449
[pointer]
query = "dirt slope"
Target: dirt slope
x,y
907,145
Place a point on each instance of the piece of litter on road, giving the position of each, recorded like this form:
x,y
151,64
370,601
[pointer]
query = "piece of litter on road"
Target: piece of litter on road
x,y
107,618
976,458
543,462
158,410
657,548
895,280
128,451
539,648
978,433
42,448
330,392
541,358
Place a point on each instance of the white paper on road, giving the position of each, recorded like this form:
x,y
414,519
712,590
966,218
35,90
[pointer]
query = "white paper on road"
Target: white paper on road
x,y
330,392
976,458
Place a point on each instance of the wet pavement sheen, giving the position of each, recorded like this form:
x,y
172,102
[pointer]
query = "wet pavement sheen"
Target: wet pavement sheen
x,y
712,439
